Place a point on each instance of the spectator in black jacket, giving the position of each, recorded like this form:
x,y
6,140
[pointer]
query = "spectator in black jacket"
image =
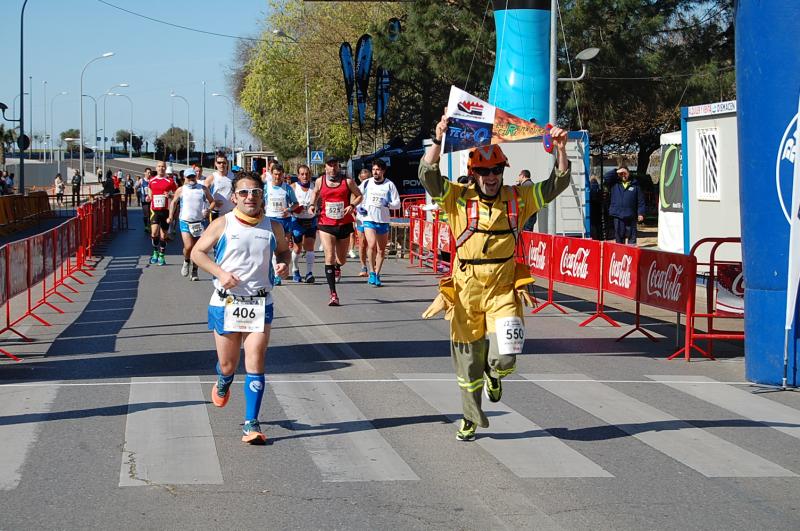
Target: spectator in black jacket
x,y
627,206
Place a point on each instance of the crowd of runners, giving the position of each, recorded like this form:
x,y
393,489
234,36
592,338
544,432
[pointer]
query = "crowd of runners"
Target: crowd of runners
x,y
249,231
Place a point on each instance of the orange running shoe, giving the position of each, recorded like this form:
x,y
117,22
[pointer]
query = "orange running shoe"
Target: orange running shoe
x,y
218,400
251,433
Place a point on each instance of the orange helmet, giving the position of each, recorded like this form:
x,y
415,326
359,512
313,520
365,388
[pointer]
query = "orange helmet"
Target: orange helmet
x,y
486,157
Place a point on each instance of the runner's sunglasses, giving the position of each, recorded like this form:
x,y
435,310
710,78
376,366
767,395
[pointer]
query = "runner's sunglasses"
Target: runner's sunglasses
x,y
255,192
497,170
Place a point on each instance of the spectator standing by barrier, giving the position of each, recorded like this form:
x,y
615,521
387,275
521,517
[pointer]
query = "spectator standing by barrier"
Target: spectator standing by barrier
x,y
627,206
128,189
524,179
59,186
76,187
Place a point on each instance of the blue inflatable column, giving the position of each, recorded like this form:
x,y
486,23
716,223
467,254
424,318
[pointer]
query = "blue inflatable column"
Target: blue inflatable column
x,y
768,86
521,81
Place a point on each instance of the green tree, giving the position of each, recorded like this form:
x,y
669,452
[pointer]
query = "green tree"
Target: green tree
x,y
70,133
7,138
441,44
124,136
656,56
270,83
172,141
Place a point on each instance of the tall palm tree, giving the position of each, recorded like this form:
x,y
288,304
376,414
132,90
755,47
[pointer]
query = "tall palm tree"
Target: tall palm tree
x,y
7,137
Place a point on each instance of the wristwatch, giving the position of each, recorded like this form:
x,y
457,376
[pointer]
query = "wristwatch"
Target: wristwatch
x,y
437,142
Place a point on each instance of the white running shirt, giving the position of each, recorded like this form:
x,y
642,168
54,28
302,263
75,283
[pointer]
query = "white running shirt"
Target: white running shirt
x,y
246,251
375,195
303,196
222,190
193,202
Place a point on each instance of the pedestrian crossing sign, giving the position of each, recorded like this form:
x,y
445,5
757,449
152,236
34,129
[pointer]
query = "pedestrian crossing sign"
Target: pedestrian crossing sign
x,y
317,157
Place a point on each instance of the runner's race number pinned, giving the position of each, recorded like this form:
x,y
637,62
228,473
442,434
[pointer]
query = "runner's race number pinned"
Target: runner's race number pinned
x,y
244,315
510,335
159,201
195,229
334,209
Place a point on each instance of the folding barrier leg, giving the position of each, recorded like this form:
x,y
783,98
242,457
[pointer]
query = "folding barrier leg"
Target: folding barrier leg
x,y
549,301
638,328
9,355
599,312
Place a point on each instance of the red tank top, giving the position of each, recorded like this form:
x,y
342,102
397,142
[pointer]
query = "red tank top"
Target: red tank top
x,y
334,201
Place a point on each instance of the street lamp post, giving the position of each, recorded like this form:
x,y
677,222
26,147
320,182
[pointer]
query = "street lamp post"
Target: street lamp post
x,y
22,90
107,54
94,102
281,33
14,113
105,133
130,131
44,134
52,141
233,120
188,145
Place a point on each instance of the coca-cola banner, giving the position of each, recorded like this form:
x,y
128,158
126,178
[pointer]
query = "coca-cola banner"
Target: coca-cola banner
x,y
576,261
444,237
666,279
535,250
620,272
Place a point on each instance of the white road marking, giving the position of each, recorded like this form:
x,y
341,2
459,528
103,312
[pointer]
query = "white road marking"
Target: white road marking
x,y
168,438
520,444
343,444
694,447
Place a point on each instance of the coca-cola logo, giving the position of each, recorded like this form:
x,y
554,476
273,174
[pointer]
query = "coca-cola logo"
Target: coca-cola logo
x,y
619,271
738,285
537,255
665,283
575,264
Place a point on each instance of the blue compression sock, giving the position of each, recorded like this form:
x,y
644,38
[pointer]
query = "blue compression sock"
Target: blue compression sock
x,y
253,393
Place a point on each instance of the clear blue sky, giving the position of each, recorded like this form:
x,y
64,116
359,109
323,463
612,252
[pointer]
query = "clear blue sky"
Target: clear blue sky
x,y
61,36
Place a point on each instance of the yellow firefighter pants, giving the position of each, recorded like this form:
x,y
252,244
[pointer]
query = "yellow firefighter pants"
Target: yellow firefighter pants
x,y
473,341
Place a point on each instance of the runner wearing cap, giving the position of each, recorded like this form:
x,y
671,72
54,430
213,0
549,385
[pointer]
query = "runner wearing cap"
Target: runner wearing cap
x,y
192,197
219,183
337,197
240,310
380,195
304,225
159,192
279,203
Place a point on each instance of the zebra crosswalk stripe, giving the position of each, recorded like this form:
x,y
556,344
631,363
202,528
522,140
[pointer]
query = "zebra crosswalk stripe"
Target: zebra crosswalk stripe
x,y
343,444
521,445
694,447
168,438
21,410
757,408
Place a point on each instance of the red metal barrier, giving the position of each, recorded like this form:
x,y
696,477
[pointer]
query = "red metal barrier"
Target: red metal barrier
x,y
537,251
46,259
733,279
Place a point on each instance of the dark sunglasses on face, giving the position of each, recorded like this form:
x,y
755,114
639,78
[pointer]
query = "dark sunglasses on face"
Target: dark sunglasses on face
x,y
255,192
222,162
483,172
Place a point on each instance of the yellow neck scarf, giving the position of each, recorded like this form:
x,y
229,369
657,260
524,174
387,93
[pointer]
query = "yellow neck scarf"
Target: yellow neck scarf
x,y
248,219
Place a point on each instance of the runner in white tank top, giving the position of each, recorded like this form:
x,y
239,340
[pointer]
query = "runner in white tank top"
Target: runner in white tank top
x,y
240,311
193,198
220,185
304,225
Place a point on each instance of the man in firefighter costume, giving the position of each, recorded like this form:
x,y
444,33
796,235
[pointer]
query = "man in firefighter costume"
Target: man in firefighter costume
x,y
485,293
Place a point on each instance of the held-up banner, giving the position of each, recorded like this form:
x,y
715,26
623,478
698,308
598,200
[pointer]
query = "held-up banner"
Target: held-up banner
x,y
576,261
472,122
349,74
620,269
536,248
666,280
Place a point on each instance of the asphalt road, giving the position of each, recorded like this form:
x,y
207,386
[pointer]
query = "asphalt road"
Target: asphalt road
x,y
108,423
